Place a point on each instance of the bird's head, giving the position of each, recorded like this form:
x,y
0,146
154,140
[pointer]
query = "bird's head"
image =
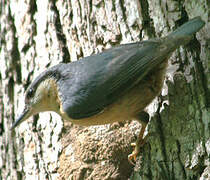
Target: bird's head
x,y
40,96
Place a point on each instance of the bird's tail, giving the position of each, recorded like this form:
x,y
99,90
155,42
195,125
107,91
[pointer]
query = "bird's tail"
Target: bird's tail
x,y
181,35
189,28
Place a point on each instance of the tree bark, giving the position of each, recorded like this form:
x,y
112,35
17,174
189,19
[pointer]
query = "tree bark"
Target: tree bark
x,y
38,34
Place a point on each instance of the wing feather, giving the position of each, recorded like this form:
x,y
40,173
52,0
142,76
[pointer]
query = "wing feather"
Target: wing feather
x,y
101,79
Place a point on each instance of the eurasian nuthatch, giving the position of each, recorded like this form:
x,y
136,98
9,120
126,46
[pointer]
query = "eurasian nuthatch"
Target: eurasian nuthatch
x,y
115,85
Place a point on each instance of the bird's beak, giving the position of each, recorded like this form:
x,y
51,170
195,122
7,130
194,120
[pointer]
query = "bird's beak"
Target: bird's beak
x,y
24,115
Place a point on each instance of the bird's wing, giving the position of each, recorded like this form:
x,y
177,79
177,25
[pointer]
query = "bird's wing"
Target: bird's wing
x,y
97,81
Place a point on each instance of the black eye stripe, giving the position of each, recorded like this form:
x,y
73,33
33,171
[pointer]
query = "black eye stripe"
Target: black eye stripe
x,y
30,93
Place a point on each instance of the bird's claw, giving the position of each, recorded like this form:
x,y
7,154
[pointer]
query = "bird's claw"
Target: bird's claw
x,y
132,157
133,144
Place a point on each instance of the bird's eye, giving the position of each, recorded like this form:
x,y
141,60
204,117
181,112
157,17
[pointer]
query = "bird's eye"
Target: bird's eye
x,y
30,93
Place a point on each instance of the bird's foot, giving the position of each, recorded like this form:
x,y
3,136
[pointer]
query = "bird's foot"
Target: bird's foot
x,y
143,117
132,157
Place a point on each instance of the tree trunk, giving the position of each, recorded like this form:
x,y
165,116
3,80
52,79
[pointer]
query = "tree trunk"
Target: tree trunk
x,y
38,34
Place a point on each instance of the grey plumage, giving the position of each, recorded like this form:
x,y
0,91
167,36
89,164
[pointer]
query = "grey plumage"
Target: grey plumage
x,y
87,86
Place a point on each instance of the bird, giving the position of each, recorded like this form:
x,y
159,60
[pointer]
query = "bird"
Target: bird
x,y
115,85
